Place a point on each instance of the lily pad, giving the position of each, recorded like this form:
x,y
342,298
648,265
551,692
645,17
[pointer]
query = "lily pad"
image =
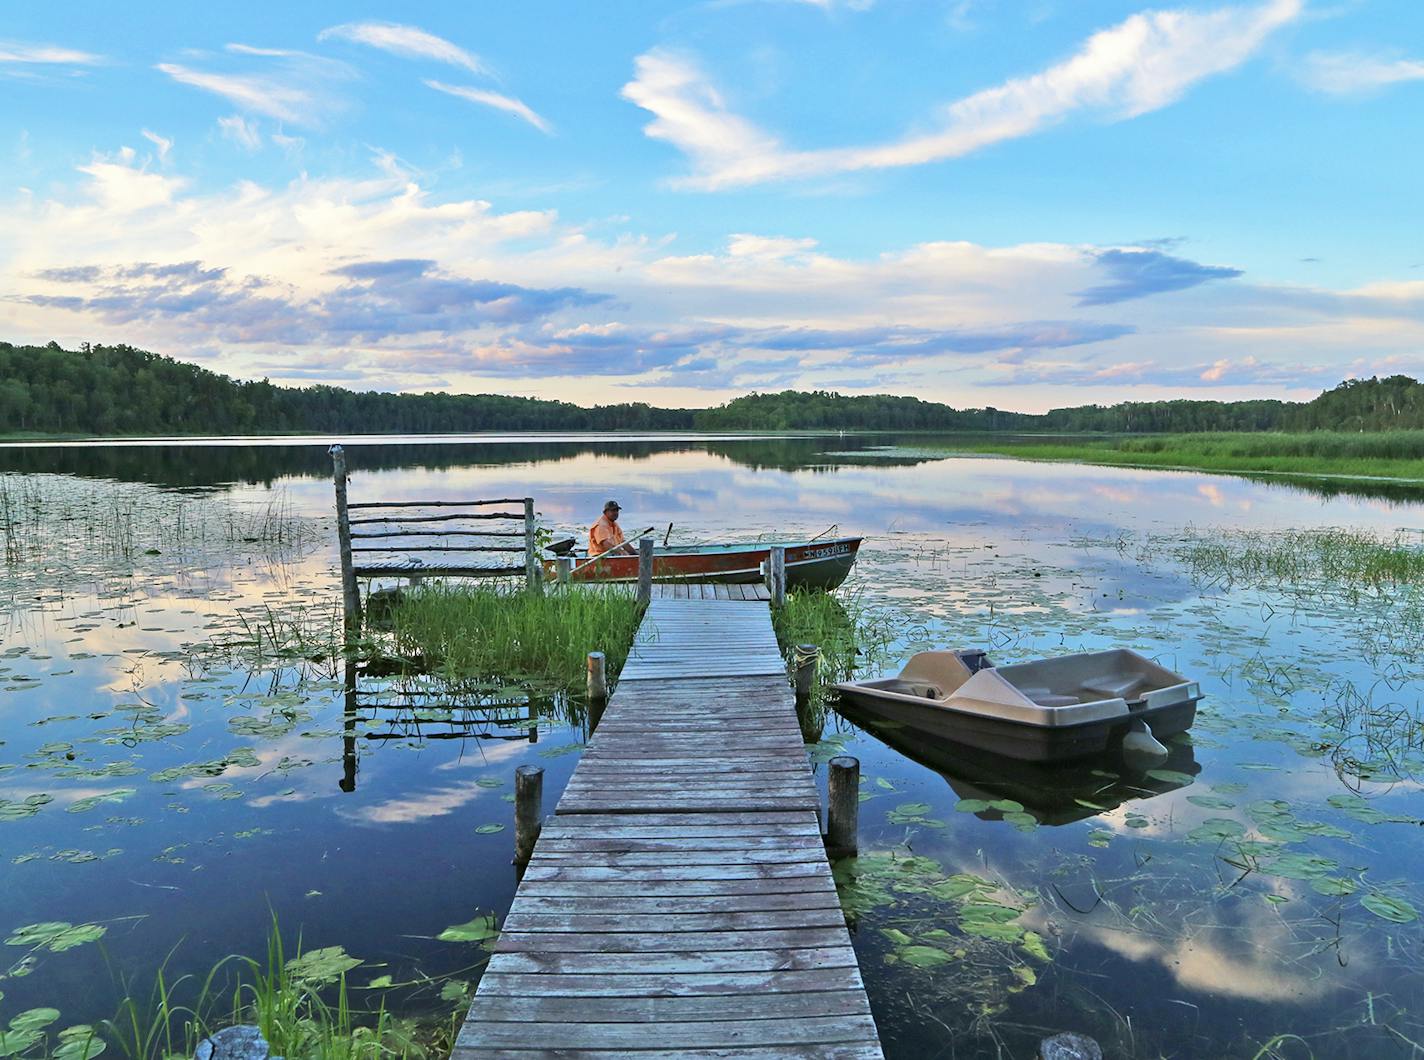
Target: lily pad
x,y
55,935
1171,776
923,956
1387,907
1216,830
476,930
972,805
489,829
319,967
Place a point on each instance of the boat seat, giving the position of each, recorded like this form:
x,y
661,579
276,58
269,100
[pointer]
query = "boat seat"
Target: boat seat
x,y
1046,697
1118,686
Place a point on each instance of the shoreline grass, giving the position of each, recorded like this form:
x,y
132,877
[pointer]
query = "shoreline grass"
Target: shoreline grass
x,y
1390,455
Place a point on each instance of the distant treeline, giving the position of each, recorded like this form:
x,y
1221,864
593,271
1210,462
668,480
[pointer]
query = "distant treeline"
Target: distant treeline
x,y
122,390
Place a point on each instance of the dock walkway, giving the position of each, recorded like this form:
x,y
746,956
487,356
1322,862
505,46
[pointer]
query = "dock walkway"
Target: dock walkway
x,y
679,903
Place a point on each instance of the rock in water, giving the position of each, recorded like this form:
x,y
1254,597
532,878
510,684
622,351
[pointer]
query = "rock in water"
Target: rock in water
x,y
235,1043
1069,1046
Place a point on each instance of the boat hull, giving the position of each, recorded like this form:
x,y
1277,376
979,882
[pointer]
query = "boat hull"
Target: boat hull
x,y
809,564
1023,743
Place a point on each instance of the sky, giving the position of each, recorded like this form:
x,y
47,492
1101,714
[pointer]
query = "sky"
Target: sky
x,y
1019,203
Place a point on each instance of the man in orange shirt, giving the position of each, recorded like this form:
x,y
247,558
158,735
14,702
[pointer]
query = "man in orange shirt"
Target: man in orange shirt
x,y
604,535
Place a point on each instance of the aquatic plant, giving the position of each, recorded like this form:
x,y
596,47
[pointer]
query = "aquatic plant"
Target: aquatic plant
x,y
484,633
302,1004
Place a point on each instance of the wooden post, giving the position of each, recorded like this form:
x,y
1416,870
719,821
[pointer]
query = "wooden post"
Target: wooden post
x,y
843,809
597,689
778,575
807,656
645,570
533,569
597,679
350,595
528,810
566,569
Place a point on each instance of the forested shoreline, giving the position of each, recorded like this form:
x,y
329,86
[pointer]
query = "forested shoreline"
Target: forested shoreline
x,y
120,390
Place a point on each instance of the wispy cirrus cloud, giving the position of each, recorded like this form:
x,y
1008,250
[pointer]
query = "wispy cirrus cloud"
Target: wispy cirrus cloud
x,y
287,85
409,42
1144,63
497,100
22,54
1357,73
1139,273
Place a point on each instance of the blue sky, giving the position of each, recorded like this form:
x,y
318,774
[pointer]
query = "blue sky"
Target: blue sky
x,y
1024,204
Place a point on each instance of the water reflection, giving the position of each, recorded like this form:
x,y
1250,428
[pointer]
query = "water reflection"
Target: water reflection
x,y
1054,794
237,786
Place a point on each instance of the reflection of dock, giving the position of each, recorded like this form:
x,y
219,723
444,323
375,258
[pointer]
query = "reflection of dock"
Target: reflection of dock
x,y
680,901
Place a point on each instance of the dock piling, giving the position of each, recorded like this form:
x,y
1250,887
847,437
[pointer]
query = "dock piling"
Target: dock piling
x,y
533,569
565,565
843,806
597,677
645,571
528,811
777,573
350,594
807,656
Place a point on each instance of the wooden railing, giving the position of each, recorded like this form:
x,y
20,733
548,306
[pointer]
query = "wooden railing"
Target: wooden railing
x,y
467,532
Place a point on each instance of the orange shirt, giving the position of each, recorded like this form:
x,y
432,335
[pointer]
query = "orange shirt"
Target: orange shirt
x,y
602,536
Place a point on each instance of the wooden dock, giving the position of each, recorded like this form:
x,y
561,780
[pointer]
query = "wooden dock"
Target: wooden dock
x,y
680,903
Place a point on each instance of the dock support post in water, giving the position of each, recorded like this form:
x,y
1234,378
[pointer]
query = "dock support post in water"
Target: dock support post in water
x,y
528,811
843,807
597,677
645,571
350,595
565,565
533,569
776,569
807,656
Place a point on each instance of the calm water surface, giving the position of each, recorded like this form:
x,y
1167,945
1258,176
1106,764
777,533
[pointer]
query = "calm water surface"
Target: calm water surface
x,y
1253,898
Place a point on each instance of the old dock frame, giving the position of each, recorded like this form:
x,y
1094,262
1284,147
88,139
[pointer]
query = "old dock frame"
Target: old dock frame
x,y
679,902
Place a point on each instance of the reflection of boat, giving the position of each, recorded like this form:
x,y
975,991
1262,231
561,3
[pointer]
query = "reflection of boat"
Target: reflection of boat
x,y
1054,794
1042,711
809,564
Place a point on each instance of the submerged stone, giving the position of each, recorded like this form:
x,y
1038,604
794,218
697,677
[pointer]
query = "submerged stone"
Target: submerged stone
x,y
1069,1046
235,1043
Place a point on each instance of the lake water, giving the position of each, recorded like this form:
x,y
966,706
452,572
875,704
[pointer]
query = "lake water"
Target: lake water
x,y
1256,897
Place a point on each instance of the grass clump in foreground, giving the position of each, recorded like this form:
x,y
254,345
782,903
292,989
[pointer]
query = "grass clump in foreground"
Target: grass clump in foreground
x,y
502,634
1382,454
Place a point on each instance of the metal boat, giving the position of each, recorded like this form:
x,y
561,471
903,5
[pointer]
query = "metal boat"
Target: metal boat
x,y
809,564
1043,711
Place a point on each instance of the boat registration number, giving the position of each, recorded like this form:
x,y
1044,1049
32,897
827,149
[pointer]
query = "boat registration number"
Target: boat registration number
x,y
827,551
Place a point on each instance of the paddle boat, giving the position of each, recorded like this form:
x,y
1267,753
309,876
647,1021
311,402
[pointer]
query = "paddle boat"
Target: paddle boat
x,y
821,564
1043,711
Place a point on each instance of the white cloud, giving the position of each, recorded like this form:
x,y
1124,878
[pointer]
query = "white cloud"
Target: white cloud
x,y
410,42
1142,64
253,92
1355,73
290,86
508,104
16,52
377,282
240,131
163,144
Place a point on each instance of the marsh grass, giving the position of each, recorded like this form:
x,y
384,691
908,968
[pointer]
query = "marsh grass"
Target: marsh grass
x,y
849,634
300,1015
52,518
1334,556
499,634
1381,454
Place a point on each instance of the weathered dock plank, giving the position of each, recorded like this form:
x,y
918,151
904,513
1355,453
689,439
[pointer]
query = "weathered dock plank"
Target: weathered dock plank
x,y
679,903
